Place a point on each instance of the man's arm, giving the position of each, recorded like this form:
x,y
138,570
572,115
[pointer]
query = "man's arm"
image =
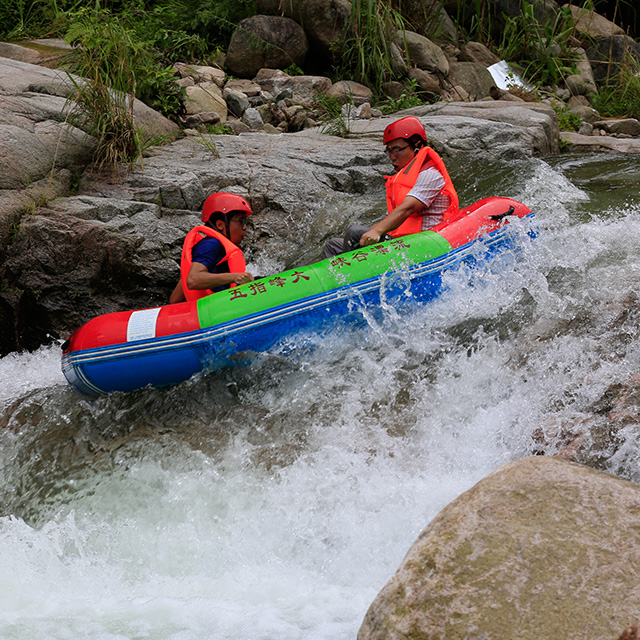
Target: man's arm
x,y
427,187
391,221
199,278
178,294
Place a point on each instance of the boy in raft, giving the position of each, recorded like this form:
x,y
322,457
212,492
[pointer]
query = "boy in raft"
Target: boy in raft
x,y
420,194
211,258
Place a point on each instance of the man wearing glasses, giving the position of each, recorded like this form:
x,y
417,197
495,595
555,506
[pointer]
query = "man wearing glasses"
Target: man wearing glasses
x,y
420,194
211,257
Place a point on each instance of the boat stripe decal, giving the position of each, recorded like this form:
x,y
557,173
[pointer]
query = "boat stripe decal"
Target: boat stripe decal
x,y
183,340
142,324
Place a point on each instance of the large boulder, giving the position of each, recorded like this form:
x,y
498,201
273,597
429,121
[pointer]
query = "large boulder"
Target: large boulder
x,y
473,77
477,52
46,52
324,21
41,155
423,53
541,548
606,44
205,97
266,41
591,25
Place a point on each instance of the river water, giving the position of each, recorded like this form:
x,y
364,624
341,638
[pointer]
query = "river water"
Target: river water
x,y
273,502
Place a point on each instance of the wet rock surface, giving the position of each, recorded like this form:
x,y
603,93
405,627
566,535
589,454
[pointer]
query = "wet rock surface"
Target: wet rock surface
x,y
530,549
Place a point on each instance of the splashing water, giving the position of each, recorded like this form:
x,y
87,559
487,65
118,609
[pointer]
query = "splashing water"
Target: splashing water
x,y
275,501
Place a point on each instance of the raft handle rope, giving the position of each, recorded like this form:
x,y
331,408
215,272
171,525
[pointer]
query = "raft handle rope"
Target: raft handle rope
x,y
500,216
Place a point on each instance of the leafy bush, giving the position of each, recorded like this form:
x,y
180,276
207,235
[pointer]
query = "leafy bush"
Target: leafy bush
x,y
567,121
621,99
366,53
110,50
110,62
544,52
409,98
215,20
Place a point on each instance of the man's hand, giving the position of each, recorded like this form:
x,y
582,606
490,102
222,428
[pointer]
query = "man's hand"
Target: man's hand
x,y
242,278
369,237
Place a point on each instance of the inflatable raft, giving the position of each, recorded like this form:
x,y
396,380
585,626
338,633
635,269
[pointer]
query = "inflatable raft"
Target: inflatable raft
x,y
166,345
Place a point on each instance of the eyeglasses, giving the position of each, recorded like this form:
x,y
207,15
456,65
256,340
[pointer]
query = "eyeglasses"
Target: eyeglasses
x,y
241,221
394,151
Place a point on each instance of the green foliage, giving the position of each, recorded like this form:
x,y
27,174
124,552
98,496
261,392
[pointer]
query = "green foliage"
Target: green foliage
x,y
366,54
164,28
621,99
111,50
106,61
328,111
220,129
26,18
567,121
294,70
542,51
409,98
215,20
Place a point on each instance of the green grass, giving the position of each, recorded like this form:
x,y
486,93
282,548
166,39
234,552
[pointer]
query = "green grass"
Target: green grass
x,y
621,99
366,52
102,101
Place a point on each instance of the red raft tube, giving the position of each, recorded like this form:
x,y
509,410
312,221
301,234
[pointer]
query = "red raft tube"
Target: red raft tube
x,y
166,345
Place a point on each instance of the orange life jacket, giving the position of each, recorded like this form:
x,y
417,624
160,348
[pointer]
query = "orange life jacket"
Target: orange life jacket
x,y
233,254
399,185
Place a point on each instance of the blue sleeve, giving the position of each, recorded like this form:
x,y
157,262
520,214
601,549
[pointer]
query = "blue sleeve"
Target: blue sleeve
x,y
208,252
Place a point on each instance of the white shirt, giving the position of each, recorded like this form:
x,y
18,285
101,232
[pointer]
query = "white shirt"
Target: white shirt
x,y
427,189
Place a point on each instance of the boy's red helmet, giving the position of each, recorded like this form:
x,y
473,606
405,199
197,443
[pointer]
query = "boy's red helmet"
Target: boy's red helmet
x,y
404,128
224,203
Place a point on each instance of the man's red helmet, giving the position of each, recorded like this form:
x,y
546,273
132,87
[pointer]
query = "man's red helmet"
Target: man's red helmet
x,y
224,203
404,128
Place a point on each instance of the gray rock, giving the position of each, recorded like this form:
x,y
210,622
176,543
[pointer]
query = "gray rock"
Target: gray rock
x,y
306,88
46,52
585,71
206,98
600,143
423,53
393,89
252,118
273,80
266,41
399,66
586,129
206,117
609,55
477,52
473,77
587,114
199,73
247,87
324,21
578,101
237,101
625,126
427,81
350,91
592,25
238,127
523,554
